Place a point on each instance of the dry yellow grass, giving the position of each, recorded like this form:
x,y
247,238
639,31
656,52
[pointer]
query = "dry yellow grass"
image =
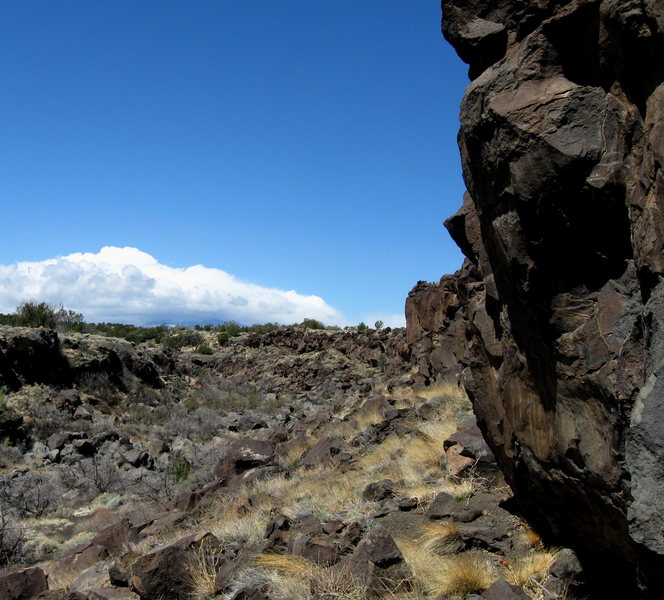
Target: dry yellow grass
x,y
273,487
443,390
323,491
383,456
287,587
368,414
165,537
531,537
201,570
531,568
441,537
297,448
233,528
61,579
286,564
296,578
449,576
415,459
339,582
327,493
423,453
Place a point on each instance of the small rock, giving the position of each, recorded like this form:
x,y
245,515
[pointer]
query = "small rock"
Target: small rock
x,y
82,413
501,590
406,504
379,490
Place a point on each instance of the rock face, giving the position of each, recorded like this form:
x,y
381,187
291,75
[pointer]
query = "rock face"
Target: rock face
x,y
557,317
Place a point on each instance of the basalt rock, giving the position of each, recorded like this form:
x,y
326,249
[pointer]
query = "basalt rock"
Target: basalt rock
x,y
31,356
557,317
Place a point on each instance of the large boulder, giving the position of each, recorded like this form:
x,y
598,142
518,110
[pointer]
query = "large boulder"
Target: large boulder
x,y
163,573
32,356
22,584
242,455
557,317
378,563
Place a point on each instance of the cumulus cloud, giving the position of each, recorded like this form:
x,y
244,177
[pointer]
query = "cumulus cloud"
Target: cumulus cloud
x,y
130,286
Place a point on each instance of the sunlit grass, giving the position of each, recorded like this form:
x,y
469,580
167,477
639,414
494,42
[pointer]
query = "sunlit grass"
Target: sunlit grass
x,y
451,577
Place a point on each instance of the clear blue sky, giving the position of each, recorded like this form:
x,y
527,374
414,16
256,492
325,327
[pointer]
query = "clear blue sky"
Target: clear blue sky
x,y
305,145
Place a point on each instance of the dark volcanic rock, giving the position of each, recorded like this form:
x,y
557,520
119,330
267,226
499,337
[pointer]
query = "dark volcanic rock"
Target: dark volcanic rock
x,y
32,356
557,317
501,590
22,584
242,455
162,573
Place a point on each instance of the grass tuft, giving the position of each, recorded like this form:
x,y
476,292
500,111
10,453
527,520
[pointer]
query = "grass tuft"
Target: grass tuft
x,y
201,570
441,537
531,568
452,577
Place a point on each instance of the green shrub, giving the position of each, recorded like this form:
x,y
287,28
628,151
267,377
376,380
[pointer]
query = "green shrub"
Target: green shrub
x,y
42,314
130,333
312,324
362,326
186,337
378,324
223,337
263,328
179,469
204,348
230,327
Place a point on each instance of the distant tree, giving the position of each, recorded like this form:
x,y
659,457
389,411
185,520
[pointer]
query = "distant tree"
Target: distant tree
x,y
362,326
378,324
42,314
312,324
69,320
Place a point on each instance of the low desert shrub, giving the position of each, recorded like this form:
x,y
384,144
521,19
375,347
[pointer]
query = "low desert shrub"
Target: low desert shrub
x,y
31,494
101,472
183,338
179,469
204,348
312,324
13,542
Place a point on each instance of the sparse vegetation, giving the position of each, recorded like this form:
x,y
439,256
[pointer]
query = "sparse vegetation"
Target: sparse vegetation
x,y
142,428
41,314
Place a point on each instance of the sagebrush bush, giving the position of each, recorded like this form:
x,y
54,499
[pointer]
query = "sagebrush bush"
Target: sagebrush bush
x,y
187,337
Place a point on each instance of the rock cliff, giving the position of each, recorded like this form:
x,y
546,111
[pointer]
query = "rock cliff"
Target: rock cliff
x,y
557,318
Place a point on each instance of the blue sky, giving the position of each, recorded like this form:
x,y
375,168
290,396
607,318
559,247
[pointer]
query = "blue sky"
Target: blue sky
x,y
304,146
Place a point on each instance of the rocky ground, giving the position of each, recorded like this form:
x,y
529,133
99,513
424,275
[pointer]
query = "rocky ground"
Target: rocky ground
x,y
293,465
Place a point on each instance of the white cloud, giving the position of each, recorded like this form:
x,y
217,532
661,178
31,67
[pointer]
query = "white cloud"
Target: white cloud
x,y
130,286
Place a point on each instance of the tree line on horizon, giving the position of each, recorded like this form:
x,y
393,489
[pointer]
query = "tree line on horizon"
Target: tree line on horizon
x,y
42,314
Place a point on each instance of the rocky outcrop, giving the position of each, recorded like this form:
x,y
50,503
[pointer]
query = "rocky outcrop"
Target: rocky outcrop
x,y
557,317
31,356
